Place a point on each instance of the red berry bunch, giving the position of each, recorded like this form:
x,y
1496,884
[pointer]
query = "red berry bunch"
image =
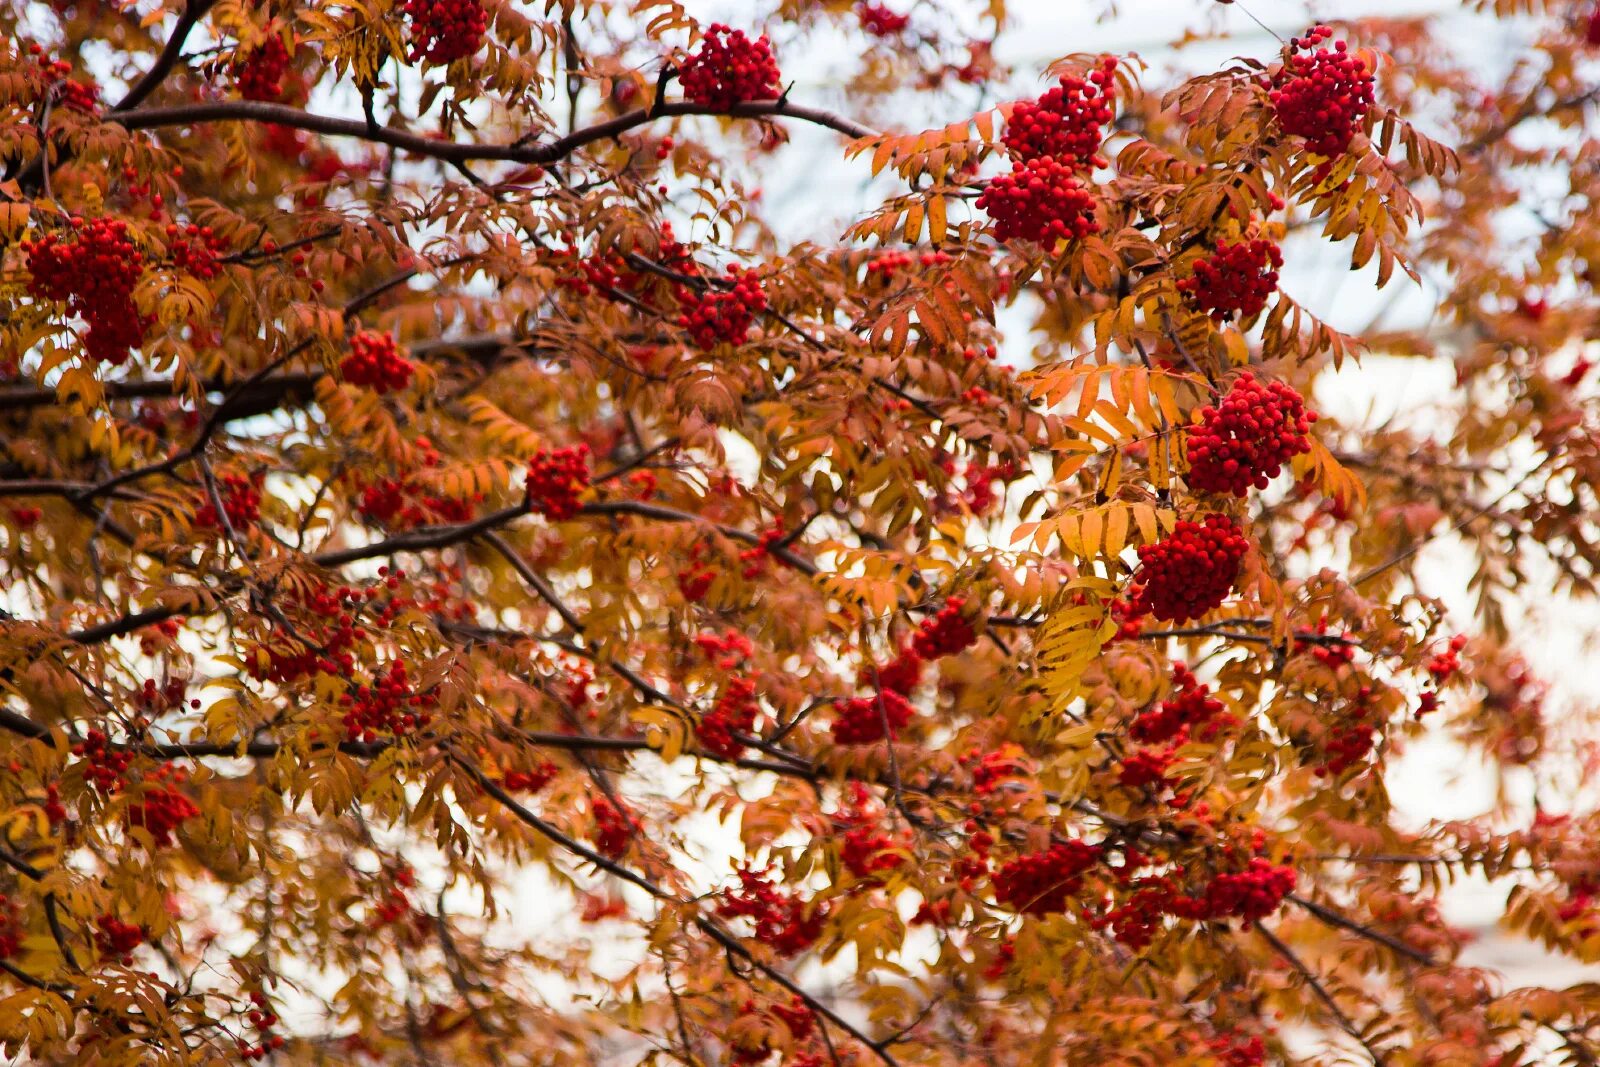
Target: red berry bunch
x,y
336,619
75,94
11,932
162,807
1039,200
117,939
259,71
1042,883
783,922
866,850
241,503
1445,664
1235,279
880,20
94,270
885,265
1246,439
730,69
1350,739
529,781
735,712
862,720
695,580
1235,1050
1591,30
388,706
1067,122
946,633
991,770
375,363
556,480
1147,766
900,675
1322,96
723,316
401,504
104,766
1191,705
1192,570
614,827
263,1018
443,31
1251,894
754,556
195,250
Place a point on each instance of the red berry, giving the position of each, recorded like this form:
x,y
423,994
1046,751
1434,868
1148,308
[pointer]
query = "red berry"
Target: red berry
x,y
258,72
1322,96
376,363
730,69
1066,122
724,316
443,31
1192,570
1039,200
94,271
556,480
1247,438
1042,883
1235,279
880,20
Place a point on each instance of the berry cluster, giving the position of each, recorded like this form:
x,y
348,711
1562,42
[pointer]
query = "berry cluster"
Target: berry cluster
x,y
94,270
1324,95
241,503
388,706
730,69
991,770
946,633
556,480
1350,739
263,1018
11,932
1067,122
1445,664
783,922
885,265
1247,438
104,766
866,851
735,712
695,580
1039,200
1190,706
162,807
880,20
529,781
1236,1050
333,625
443,31
1042,883
116,939
864,720
259,71
1250,894
195,250
1235,279
723,316
1147,766
614,827
375,363
402,503
750,1043
81,95
1192,570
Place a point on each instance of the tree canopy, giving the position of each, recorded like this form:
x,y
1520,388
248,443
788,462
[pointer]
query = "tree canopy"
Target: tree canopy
x,y
478,589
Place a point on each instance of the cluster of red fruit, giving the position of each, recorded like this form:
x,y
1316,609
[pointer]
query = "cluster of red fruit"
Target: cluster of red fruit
x,y
863,720
263,1018
388,706
403,504
758,553
1190,706
1042,883
195,249
945,633
1249,895
751,1044
375,363
556,479
443,31
1236,1050
730,69
76,94
885,265
104,766
162,807
736,708
695,580
1148,766
1235,279
241,503
1323,96
1191,571
529,781
259,71
1445,664
880,20
723,316
94,270
1246,439
11,932
1067,122
867,851
1039,200
991,770
783,922
614,827
116,939
1350,739
331,624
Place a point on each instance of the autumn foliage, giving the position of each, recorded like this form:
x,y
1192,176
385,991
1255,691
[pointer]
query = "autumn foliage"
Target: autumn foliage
x,y
491,572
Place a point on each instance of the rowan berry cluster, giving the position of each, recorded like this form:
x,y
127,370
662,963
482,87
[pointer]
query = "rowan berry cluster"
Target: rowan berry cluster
x,y
94,269
1067,122
117,939
263,1019
885,265
783,922
195,250
730,69
614,827
866,850
695,580
1039,200
443,31
737,707
991,770
1147,766
1190,706
1350,739
880,20
333,623
402,503
556,479
724,316
1246,439
1192,570
241,503
757,554
1322,96
1445,664
1235,279
1251,895
1236,1050
375,363
104,766
1332,654
162,807
389,705
11,932
1043,883
863,720
75,94
258,72
945,633
529,781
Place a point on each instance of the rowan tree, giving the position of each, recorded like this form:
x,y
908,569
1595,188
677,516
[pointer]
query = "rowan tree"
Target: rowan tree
x,y
475,592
